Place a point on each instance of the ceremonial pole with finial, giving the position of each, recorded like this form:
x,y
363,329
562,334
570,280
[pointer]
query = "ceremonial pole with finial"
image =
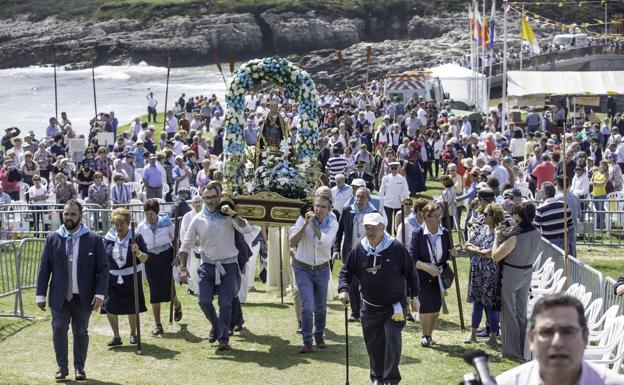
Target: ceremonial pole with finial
x,y
166,93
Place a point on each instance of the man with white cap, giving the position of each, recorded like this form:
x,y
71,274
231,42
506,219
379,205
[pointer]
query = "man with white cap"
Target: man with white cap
x,y
393,190
383,267
341,193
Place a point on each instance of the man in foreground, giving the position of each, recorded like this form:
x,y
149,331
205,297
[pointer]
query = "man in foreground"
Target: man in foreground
x,y
383,266
558,336
77,261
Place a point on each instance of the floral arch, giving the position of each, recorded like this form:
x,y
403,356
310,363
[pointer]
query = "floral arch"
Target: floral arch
x,y
301,88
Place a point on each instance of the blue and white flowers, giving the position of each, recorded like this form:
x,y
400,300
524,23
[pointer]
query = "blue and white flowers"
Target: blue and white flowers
x,y
300,86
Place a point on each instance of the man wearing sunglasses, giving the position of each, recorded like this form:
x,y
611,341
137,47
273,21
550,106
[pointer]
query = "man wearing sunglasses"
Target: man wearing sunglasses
x,y
393,190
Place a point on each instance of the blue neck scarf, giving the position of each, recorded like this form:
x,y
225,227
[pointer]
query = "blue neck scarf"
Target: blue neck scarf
x,y
385,243
343,188
112,235
411,219
327,221
62,231
212,214
163,221
368,209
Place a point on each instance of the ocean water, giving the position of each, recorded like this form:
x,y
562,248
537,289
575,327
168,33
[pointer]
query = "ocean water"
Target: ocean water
x,y
27,94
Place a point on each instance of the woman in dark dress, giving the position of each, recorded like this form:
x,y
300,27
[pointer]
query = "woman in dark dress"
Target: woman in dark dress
x,y
413,171
430,251
120,299
483,276
158,234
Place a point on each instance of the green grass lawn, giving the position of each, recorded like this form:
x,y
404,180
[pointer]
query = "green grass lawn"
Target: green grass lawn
x,y
264,353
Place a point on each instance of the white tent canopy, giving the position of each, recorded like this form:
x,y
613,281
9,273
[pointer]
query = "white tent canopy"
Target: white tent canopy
x,y
460,82
525,83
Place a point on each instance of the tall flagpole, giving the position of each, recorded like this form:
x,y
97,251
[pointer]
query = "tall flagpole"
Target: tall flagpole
x,y
483,85
472,51
521,20
504,93
166,96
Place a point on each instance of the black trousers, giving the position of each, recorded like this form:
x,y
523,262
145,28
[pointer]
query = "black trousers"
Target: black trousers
x,y
382,337
73,312
390,213
355,298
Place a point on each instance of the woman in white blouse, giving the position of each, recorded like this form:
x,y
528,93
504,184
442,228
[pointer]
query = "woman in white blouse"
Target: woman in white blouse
x,y
580,182
158,232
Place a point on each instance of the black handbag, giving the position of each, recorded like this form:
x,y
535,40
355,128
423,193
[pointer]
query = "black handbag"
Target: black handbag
x,y
447,275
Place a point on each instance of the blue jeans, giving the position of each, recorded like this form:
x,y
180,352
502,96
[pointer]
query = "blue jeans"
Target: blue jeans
x,y
599,207
492,316
228,289
312,285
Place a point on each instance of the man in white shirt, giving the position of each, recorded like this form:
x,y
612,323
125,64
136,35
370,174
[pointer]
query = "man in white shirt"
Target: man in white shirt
x,y
313,237
215,228
172,125
151,107
422,114
499,172
558,336
341,193
392,191
181,174
215,123
466,128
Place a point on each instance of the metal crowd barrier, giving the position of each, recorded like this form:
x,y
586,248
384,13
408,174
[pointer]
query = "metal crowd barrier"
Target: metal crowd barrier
x,y
609,296
601,227
581,273
9,272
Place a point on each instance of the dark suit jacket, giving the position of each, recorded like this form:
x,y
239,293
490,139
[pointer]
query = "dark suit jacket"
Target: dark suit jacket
x,y
92,269
344,234
368,178
419,250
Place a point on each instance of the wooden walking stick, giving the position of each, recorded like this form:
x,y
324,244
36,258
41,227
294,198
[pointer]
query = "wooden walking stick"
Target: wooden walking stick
x,y
346,322
176,238
166,94
136,294
459,302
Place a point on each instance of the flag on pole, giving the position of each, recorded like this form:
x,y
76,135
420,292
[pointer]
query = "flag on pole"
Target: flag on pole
x,y
492,24
528,35
369,53
477,24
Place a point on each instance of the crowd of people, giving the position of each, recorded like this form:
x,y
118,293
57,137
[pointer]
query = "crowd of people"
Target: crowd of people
x,y
376,154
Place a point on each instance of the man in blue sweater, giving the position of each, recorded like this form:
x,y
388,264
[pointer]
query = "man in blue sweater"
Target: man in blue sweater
x,y
383,266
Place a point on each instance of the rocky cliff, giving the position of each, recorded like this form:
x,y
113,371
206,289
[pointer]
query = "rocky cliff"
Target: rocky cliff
x,y
400,41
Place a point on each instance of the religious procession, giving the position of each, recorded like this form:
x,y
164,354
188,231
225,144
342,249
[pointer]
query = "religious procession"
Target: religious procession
x,y
453,222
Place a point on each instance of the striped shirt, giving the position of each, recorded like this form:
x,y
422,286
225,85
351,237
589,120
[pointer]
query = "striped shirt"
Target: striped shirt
x,y
549,217
335,165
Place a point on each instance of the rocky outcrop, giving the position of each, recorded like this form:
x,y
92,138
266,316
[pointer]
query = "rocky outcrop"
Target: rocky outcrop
x,y
305,32
189,40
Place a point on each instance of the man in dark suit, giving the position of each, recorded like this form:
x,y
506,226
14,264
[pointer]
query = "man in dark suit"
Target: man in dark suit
x,y
350,233
361,174
77,261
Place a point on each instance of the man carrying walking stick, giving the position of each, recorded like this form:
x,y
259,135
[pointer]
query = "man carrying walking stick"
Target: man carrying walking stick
x,y
383,267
